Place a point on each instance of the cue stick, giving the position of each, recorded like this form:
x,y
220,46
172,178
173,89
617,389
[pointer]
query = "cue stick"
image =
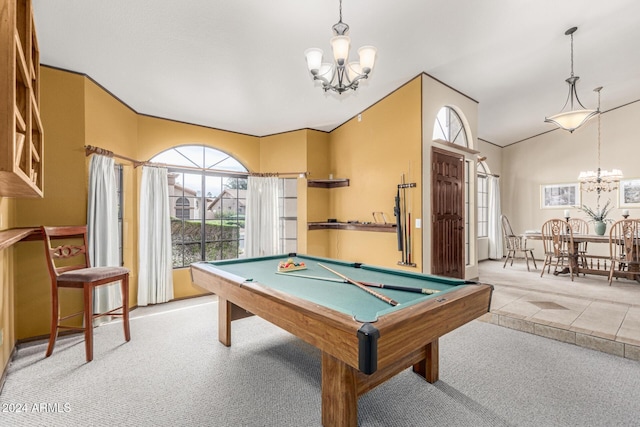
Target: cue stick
x,y
404,217
409,221
396,212
426,291
305,276
363,287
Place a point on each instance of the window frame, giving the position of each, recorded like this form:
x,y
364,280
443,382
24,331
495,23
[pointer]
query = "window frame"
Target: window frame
x,y
445,129
202,199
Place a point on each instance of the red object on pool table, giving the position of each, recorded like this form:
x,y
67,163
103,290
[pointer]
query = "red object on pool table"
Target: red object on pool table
x,y
363,340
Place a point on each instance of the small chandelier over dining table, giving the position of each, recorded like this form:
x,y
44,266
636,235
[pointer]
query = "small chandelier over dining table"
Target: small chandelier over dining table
x,y
341,75
600,180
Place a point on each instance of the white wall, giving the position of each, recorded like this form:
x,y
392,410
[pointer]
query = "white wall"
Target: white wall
x,y
436,95
558,157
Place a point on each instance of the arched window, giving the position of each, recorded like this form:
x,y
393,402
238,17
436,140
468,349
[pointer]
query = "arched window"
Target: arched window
x,y
449,127
182,208
207,193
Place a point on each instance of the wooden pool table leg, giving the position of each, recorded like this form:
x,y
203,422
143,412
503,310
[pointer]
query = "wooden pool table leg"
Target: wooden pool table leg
x,y
224,321
339,393
428,367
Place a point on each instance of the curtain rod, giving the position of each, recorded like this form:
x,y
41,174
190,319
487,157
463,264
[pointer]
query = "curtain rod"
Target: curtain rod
x,y
89,149
488,174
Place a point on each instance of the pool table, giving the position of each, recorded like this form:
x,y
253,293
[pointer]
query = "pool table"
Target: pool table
x,y
363,340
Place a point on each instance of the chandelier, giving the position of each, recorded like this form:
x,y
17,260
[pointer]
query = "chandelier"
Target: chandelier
x,y
572,119
600,180
341,75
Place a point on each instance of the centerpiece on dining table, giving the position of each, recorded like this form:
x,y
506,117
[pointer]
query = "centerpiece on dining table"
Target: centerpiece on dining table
x,y
599,216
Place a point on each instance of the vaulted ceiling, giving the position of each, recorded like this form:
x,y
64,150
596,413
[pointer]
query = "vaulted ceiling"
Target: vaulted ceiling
x,y
239,65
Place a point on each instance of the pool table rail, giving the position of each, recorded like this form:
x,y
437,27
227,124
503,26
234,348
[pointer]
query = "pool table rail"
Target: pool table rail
x,y
335,332
322,327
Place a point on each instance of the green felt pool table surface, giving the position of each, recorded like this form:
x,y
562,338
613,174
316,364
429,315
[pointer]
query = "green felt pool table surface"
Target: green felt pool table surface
x,y
343,297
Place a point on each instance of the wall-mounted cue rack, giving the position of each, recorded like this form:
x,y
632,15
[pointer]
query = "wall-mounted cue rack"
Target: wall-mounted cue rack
x,y
402,212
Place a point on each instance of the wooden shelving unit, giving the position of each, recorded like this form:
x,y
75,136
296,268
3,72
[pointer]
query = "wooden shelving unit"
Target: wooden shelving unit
x,y
328,183
21,132
359,226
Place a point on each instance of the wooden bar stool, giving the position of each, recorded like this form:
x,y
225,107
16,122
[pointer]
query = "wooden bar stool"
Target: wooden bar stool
x,y
69,267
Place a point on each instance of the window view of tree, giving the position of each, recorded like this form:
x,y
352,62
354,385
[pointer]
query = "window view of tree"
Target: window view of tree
x,y
208,223
207,198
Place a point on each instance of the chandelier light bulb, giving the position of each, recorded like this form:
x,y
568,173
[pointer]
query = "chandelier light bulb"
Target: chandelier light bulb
x,y
314,59
367,58
340,46
353,70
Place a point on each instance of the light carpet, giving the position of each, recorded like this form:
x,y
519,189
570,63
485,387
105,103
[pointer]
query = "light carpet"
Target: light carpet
x,y
174,372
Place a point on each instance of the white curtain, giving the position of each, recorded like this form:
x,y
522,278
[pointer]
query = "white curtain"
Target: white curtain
x,y
155,279
494,230
262,217
102,229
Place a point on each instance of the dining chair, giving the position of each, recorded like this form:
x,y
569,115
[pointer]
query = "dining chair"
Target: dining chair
x,y
624,247
557,240
69,267
580,226
515,244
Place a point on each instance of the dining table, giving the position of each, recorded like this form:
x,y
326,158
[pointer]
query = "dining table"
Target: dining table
x,y
595,264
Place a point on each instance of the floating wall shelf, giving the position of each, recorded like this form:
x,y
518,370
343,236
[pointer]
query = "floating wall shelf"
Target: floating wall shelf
x,y
389,228
328,183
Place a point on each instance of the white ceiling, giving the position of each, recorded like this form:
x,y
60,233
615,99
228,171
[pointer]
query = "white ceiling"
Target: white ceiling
x,y
238,65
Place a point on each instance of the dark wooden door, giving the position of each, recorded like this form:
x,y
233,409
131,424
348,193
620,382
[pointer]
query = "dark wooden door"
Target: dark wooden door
x,y
447,207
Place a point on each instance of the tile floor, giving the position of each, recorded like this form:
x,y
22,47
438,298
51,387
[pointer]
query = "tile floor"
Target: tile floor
x,y
586,312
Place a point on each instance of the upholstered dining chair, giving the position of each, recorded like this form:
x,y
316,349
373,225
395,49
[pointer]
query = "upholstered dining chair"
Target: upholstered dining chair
x,y
515,244
624,247
580,226
69,267
557,239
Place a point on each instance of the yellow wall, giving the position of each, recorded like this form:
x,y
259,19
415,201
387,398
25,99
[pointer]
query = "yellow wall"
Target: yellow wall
x,y
285,152
317,201
7,324
373,152
65,202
